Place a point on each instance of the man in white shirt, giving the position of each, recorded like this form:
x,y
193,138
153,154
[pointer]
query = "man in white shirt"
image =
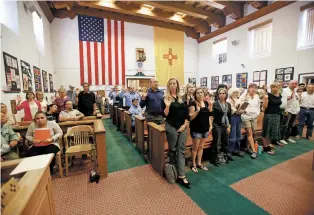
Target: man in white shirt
x,y
292,108
307,112
70,114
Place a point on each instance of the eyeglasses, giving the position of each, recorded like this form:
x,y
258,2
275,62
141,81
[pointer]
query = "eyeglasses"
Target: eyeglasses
x,y
222,93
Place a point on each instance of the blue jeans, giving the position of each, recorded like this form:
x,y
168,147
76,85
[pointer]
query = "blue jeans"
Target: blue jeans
x,y
235,134
306,116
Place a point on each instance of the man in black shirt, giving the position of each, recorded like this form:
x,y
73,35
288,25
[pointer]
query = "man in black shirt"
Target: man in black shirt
x,y
87,101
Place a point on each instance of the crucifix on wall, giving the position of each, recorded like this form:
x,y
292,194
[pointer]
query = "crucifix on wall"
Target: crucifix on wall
x,y
170,56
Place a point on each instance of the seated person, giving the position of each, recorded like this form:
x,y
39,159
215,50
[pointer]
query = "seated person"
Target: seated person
x,y
135,110
70,114
106,106
52,114
10,118
49,145
9,140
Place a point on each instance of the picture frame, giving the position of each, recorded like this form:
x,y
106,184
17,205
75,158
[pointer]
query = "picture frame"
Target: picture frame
x,y
12,73
51,83
285,75
45,81
227,79
241,80
37,78
203,82
27,76
260,78
214,82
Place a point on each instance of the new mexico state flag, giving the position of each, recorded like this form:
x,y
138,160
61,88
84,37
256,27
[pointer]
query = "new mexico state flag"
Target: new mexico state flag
x,y
169,55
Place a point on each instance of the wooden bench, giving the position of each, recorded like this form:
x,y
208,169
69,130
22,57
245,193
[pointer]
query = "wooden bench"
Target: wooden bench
x,y
140,133
128,124
121,119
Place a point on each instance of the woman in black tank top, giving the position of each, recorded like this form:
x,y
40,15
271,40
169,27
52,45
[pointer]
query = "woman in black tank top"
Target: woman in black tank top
x,y
200,126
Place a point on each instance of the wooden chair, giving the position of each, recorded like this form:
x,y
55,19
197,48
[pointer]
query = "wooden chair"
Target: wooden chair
x,y
128,124
77,142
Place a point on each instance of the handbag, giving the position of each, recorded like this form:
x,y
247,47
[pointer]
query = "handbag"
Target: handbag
x,y
171,173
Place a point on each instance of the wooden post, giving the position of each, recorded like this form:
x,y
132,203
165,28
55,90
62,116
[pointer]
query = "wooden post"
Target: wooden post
x,y
101,148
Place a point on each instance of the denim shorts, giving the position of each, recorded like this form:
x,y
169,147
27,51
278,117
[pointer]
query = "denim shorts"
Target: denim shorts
x,y
196,135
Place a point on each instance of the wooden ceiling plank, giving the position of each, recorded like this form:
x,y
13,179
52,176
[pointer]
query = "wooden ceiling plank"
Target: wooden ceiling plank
x,y
258,4
46,9
253,16
232,9
125,17
135,10
216,19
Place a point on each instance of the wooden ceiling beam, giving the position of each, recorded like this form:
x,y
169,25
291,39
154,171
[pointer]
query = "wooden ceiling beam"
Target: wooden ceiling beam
x,y
135,10
258,4
253,16
46,9
232,9
217,19
124,17
64,4
201,26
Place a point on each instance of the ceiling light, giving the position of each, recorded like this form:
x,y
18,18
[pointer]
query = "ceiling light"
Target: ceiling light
x,y
147,7
179,14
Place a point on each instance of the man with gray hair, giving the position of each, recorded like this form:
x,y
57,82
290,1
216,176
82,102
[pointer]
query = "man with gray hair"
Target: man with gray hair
x,y
292,108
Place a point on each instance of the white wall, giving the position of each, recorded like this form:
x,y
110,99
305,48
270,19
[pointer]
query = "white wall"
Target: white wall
x,y
18,39
284,52
66,51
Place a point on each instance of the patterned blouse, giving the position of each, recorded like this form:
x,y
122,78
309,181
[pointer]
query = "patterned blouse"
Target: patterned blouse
x,y
60,103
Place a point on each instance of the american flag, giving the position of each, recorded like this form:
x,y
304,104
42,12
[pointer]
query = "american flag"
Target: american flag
x,y
102,57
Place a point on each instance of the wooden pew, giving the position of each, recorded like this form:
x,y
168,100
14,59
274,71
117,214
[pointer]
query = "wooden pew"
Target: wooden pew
x,y
121,119
128,124
140,133
100,137
116,116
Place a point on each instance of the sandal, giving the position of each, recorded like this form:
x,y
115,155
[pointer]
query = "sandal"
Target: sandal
x,y
202,167
194,169
271,152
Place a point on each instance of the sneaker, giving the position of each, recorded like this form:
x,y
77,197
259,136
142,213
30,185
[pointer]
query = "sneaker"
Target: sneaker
x,y
283,142
238,153
250,151
291,140
254,155
298,137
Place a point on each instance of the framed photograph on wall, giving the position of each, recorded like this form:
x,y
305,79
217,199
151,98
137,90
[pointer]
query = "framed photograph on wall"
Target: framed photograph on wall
x,y
37,79
241,80
27,76
12,74
285,75
260,78
45,81
227,80
214,82
51,83
204,82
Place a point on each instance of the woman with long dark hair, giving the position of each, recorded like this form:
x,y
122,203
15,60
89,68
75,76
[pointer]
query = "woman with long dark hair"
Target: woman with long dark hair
x,y
30,106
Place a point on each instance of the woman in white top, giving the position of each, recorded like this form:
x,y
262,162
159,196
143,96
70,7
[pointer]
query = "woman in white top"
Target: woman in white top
x,y
49,145
43,102
249,117
30,106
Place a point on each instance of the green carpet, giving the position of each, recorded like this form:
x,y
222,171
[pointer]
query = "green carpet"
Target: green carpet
x,y
211,191
121,153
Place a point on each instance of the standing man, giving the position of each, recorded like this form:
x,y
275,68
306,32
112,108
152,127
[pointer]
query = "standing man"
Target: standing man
x,y
291,111
307,112
87,101
72,95
129,96
152,101
114,95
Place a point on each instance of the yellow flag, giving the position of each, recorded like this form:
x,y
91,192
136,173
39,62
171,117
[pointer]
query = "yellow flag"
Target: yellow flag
x,y
169,55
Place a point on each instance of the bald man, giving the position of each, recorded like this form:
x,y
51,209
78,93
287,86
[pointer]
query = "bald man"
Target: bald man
x,y
152,101
292,108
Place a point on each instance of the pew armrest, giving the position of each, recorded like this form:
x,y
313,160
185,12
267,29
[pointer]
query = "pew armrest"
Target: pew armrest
x,y
160,128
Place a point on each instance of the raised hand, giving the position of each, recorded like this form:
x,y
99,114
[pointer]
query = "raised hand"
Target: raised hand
x,y
167,101
19,99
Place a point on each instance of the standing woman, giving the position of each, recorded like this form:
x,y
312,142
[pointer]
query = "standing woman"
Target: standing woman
x,y
43,102
221,128
176,113
200,126
249,117
189,96
235,133
271,122
51,144
30,106
59,101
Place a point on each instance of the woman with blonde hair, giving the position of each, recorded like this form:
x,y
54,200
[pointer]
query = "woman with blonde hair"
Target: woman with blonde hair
x,y
175,111
60,101
42,100
200,126
188,96
271,122
235,132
